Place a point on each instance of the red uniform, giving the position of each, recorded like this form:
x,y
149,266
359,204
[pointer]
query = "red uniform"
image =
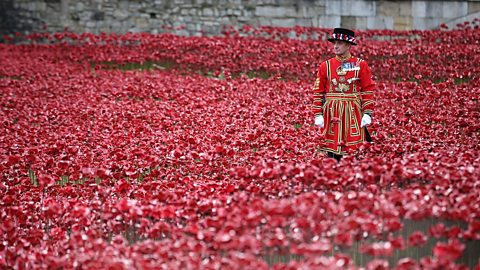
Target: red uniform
x,y
343,92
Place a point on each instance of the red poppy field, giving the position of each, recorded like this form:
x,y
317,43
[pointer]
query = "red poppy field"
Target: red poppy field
x,y
142,151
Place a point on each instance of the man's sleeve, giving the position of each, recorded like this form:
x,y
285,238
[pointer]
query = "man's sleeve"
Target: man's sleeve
x,y
319,90
367,88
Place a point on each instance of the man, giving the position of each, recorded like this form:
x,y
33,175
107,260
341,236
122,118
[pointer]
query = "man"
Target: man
x,y
343,97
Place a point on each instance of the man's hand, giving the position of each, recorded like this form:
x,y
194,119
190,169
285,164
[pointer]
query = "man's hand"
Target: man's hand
x,y
366,120
319,121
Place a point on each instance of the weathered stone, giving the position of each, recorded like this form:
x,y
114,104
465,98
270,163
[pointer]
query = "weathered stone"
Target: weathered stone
x,y
419,9
104,29
427,9
141,23
267,2
402,22
388,8
264,21
235,12
115,24
379,22
329,21
425,23
304,22
191,27
315,22
361,22
134,6
209,12
473,7
135,30
287,22
469,18
455,9
123,4
275,11
405,8
146,15
349,22
351,8
98,16
248,20
41,6
120,14
90,24
312,11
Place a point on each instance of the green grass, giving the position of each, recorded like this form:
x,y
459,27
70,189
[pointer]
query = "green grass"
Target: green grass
x,y
65,179
19,78
168,65
143,66
33,178
262,74
456,81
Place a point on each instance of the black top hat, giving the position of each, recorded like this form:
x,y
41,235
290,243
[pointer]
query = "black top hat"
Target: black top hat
x,y
343,34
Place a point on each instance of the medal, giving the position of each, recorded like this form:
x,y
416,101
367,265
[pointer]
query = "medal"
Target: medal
x,y
343,87
352,80
341,71
341,79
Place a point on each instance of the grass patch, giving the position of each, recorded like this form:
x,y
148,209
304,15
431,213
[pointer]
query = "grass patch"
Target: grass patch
x,y
65,179
19,78
456,81
169,64
141,66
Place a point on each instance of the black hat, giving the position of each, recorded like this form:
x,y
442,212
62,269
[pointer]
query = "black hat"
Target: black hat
x,y
343,34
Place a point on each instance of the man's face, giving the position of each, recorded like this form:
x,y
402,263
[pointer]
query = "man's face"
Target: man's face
x,y
340,47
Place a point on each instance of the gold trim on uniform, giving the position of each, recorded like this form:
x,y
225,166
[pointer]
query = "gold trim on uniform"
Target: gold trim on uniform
x,y
329,76
317,83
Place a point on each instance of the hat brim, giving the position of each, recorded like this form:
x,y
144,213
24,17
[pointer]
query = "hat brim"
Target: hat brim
x,y
333,39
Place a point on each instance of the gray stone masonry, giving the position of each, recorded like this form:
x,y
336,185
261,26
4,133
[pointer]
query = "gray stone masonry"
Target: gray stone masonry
x,y
195,17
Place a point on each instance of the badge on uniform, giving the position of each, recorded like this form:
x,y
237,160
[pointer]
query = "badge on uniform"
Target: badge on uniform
x,y
349,81
350,66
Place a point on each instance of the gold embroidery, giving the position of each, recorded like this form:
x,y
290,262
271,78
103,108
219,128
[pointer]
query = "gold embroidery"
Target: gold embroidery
x,y
317,83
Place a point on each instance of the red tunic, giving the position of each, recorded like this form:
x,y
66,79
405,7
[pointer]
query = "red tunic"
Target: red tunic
x,y
343,92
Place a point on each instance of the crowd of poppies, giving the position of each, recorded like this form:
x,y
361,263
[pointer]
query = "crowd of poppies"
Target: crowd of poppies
x,y
204,154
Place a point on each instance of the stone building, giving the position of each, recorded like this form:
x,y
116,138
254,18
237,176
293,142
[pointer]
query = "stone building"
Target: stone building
x,y
197,17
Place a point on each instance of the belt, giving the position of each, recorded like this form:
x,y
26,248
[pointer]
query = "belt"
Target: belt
x,y
341,96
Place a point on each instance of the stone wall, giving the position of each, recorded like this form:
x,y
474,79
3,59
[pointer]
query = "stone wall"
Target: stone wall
x,y
197,17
